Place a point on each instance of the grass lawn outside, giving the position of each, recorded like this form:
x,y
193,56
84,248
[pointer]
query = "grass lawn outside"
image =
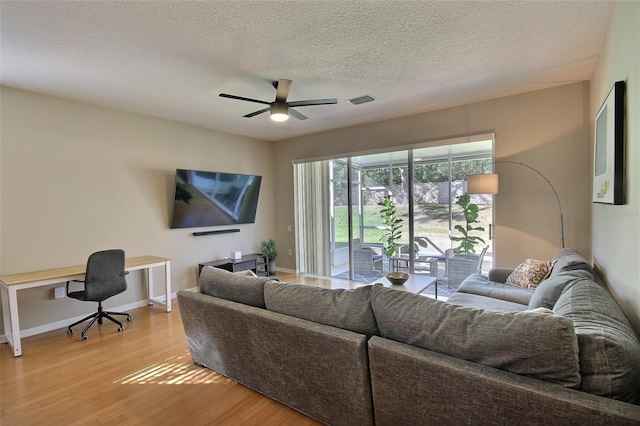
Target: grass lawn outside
x,y
431,220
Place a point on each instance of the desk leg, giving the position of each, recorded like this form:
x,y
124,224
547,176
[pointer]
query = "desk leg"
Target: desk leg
x,y
167,280
11,319
150,286
167,291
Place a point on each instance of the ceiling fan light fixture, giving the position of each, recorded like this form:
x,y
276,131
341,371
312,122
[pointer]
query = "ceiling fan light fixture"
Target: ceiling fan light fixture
x,y
279,112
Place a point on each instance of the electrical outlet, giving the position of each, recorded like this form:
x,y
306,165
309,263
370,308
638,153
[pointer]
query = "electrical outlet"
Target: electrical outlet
x,y
59,292
290,252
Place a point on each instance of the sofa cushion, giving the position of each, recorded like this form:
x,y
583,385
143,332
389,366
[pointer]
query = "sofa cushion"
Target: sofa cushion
x,y
609,349
470,300
547,293
346,309
480,285
532,344
499,274
568,259
235,287
530,273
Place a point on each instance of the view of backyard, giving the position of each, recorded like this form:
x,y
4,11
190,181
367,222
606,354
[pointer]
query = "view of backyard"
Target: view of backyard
x,y
431,220
382,187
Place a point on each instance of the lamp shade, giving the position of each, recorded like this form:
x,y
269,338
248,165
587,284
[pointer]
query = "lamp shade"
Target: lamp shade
x,y
482,184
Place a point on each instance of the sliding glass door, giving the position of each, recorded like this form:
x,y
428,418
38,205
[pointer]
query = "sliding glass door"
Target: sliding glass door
x,y
347,230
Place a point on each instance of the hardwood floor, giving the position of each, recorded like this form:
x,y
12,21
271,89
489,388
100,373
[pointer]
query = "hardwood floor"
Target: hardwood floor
x,y
142,376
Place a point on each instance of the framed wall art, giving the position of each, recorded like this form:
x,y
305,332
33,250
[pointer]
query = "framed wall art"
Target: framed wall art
x,y
608,155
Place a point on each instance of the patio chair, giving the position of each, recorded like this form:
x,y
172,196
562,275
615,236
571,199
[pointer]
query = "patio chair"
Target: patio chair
x,y
365,259
460,266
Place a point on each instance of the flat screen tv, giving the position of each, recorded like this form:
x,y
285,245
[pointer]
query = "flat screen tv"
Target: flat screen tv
x,y
213,198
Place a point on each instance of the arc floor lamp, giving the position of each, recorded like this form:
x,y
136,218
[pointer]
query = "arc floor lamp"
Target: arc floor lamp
x,y
487,183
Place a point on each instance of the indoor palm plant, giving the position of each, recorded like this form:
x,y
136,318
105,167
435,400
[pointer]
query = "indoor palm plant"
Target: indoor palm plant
x,y
268,248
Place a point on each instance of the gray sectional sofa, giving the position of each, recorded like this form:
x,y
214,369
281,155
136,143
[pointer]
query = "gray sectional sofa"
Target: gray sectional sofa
x,y
493,353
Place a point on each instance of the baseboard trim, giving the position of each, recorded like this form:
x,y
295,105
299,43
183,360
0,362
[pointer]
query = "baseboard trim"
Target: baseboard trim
x,y
286,270
65,323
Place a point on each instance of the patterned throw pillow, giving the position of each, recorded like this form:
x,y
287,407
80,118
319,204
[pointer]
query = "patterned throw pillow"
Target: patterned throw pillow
x,y
530,273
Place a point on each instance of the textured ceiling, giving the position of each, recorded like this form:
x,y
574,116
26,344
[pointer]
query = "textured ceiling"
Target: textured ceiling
x,y
171,59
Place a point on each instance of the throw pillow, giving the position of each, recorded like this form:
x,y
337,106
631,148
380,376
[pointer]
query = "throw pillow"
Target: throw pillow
x,y
530,273
248,273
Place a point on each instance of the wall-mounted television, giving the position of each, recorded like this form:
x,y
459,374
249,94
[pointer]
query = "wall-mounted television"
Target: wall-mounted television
x,y
213,198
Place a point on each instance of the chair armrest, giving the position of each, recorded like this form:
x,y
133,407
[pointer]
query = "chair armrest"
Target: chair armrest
x,y
375,250
73,281
500,275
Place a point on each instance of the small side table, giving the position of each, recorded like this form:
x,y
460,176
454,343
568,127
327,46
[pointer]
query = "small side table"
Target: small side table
x,y
402,262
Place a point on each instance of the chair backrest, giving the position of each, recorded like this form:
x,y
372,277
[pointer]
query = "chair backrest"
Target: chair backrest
x,y
105,275
481,258
363,261
460,266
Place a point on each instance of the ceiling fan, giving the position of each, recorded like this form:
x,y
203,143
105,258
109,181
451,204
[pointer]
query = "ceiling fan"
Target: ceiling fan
x,y
280,109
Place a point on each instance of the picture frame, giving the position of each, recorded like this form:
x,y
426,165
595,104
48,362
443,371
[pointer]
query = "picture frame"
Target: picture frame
x,y
608,150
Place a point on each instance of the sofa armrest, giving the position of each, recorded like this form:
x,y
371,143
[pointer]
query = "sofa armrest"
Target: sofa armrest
x,y
499,275
317,369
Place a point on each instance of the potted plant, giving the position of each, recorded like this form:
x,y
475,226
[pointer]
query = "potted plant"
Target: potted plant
x,y
467,242
391,225
269,249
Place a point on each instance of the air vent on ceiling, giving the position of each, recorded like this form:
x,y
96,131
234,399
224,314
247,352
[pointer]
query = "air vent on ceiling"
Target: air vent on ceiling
x,y
362,99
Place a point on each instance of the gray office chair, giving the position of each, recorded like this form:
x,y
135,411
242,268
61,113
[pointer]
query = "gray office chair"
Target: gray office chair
x,y
104,278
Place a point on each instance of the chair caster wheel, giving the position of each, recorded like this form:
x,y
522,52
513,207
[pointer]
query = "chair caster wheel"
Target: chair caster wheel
x,y
84,337
129,318
69,331
120,329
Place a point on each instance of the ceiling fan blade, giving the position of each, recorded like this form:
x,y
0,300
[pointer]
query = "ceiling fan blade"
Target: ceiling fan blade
x,y
256,113
240,98
313,102
295,114
282,91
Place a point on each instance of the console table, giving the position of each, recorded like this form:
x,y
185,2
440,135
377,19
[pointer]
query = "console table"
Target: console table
x,y
10,284
256,262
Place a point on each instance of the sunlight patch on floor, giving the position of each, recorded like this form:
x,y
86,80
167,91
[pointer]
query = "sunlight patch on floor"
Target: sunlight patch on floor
x,y
178,370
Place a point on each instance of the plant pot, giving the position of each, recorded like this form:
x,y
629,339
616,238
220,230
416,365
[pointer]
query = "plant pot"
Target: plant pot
x,y
271,266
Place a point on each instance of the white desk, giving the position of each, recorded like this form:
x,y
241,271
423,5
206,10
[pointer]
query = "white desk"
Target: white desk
x,y
12,283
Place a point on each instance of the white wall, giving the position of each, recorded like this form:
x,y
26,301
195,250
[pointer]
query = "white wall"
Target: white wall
x,y
77,178
616,229
547,129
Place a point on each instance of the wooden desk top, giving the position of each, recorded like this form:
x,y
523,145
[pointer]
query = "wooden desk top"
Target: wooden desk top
x,y
69,271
